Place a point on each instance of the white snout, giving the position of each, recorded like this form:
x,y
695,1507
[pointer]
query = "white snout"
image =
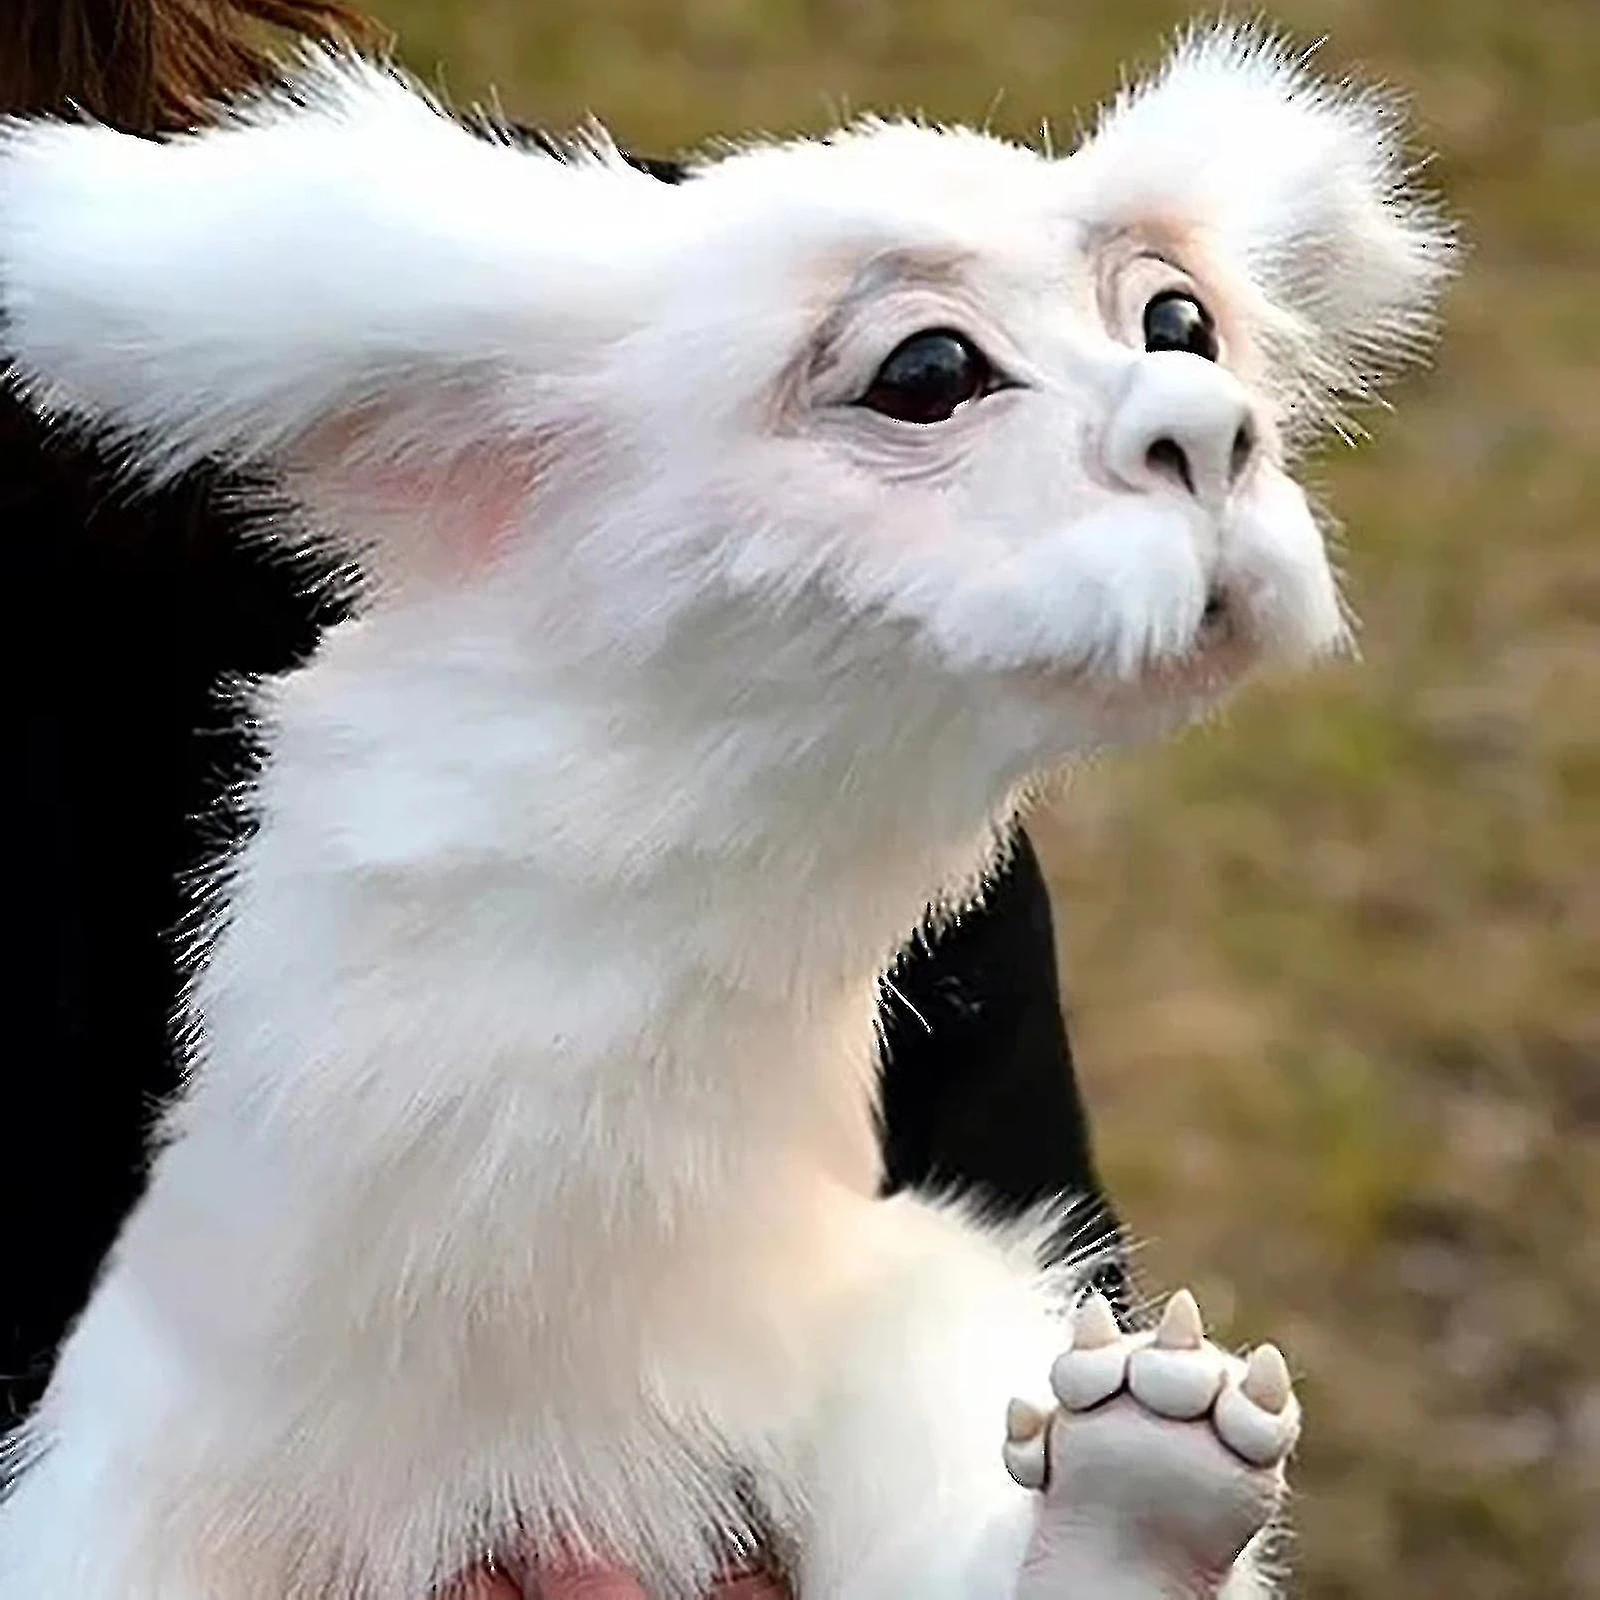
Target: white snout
x,y
1183,425
1275,567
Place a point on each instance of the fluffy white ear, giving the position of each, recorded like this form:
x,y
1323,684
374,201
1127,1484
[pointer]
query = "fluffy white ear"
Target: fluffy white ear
x,y
1299,186
338,276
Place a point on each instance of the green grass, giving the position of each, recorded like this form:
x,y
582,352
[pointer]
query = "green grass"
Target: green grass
x,y
1336,965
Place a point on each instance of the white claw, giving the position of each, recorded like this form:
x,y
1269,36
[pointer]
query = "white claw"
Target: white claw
x,y
1023,1421
1092,1369
1181,1327
1266,1379
1094,1324
1176,1374
1025,1461
1257,1418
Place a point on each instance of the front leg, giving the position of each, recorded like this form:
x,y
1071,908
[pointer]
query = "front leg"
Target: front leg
x,y
1161,1464
893,1487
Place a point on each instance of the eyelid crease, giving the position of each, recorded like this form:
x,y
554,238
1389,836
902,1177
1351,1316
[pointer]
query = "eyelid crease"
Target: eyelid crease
x,y
1121,252
921,290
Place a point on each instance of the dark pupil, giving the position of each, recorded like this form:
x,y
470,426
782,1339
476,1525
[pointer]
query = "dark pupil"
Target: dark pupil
x,y
1179,322
926,378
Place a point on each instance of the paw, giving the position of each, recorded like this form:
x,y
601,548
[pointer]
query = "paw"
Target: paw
x,y
1160,1443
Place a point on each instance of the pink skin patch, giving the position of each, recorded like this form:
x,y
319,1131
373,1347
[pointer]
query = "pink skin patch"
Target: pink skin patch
x,y
455,511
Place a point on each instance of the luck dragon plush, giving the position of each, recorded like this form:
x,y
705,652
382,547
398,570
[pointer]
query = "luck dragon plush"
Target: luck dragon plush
x,y
739,557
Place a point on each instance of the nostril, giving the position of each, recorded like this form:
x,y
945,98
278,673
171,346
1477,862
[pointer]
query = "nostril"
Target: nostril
x,y
1244,446
1166,458
1216,621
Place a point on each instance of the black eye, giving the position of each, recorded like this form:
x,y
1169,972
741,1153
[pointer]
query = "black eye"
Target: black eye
x,y
1177,321
926,377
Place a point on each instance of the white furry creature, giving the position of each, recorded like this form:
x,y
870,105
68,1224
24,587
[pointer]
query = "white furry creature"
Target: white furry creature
x,y
741,553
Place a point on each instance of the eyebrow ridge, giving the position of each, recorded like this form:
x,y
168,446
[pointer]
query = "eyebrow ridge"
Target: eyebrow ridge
x,y
882,274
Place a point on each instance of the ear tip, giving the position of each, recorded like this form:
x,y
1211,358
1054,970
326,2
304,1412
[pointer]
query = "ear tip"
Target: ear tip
x,y
1251,47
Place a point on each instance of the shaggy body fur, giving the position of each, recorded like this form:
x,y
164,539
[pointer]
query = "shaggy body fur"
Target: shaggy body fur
x,y
519,1190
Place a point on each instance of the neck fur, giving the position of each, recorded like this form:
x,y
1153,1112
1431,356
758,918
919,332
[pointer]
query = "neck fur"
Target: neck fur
x,y
504,901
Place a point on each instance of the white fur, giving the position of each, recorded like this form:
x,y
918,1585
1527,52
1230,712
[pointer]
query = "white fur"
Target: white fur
x,y
524,1183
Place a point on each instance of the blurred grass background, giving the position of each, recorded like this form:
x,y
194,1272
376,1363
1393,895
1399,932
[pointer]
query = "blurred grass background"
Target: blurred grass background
x,y
1335,967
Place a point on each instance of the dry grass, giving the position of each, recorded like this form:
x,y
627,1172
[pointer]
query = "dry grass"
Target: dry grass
x,y
1337,965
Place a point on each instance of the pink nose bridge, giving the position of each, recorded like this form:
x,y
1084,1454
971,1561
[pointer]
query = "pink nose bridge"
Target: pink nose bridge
x,y
1182,425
